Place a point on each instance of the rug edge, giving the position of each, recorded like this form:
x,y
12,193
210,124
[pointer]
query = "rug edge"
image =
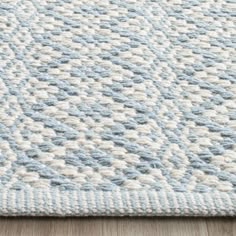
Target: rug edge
x,y
34,202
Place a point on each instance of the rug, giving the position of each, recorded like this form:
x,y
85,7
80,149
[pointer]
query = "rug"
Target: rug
x,y
117,107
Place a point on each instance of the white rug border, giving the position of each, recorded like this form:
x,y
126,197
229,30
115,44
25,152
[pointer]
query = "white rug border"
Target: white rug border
x,y
40,202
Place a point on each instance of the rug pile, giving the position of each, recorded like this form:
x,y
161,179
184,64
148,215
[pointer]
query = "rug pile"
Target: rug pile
x,y
117,107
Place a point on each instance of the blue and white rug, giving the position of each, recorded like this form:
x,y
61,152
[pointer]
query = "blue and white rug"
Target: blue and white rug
x,y
117,107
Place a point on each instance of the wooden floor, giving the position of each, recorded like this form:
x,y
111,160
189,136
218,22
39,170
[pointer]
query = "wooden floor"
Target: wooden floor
x,y
117,226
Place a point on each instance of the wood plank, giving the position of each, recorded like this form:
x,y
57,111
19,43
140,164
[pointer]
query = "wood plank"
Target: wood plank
x,y
117,226
183,227
110,226
162,227
137,227
234,227
220,227
77,226
22,227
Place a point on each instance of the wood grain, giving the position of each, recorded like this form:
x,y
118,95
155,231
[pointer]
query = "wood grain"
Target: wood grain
x,y
117,226
221,227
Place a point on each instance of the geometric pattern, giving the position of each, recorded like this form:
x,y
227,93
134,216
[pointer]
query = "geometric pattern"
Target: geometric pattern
x,y
114,98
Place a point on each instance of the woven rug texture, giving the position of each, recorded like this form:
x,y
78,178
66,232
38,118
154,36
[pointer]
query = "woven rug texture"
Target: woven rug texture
x,y
117,107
